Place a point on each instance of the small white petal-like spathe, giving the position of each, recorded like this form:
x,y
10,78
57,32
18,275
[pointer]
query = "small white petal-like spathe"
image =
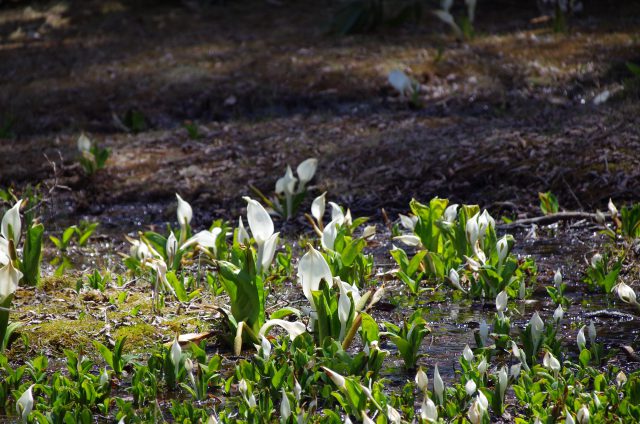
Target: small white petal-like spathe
x,y
12,224
336,211
451,213
184,212
592,333
306,170
9,278
429,411
537,327
204,238
409,239
557,278
422,381
612,209
285,406
400,82
242,236
551,362
503,380
267,251
318,207
438,385
176,355
558,314
171,247
484,332
337,379
287,183
595,260
501,301
626,293
503,249
514,371
467,353
293,329
409,223
330,233
84,143
393,415
581,340
569,419
470,387
24,405
482,366
259,221
472,230
583,415
312,269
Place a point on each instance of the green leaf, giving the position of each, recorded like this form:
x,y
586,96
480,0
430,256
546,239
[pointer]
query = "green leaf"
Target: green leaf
x,y
369,328
32,255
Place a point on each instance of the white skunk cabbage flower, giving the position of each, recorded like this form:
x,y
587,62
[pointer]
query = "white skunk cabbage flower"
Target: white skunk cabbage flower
x,y
581,340
470,387
592,333
537,327
503,379
285,406
313,268
514,371
595,260
451,213
366,419
336,378
501,302
626,293
522,290
484,333
9,278
557,278
467,353
408,222
297,390
612,209
569,419
306,170
502,247
583,415
482,366
429,411
318,207
171,247
454,278
478,408
409,240
551,362
212,420
422,381
393,414
265,345
84,143
12,224
204,238
438,385
472,230
24,405
369,231
287,183
262,230
176,355
401,82
294,329
185,213
330,233
242,235
621,378
139,250
336,212
471,9
558,314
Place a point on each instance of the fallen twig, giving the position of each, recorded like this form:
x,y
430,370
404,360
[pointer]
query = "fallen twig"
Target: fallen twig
x,y
551,218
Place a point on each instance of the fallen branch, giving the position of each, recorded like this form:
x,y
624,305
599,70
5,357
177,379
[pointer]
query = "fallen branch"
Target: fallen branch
x,y
552,218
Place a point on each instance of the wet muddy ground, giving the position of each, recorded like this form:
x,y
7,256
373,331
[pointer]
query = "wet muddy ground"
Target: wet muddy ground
x,y
502,117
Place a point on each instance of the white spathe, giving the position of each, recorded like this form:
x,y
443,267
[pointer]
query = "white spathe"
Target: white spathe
x,y
312,269
12,224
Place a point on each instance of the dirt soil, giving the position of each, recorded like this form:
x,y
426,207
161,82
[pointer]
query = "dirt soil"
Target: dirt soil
x,y
502,116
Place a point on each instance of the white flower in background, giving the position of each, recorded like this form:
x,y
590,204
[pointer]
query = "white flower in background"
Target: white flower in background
x,y
484,333
408,222
537,327
595,260
262,230
583,415
409,240
621,378
557,279
297,390
336,213
294,329
454,278
24,405
312,269
428,410
612,209
285,406
502,247
12,226
451,213
337,379
84,144
185,214
438,385
471,9
394,415
592,333
171,247
368,232
330,233
581,340
522,290
514,371
625,293
551,362
317,208
558,314
501,303
204,238
422,381
401,83
176,355
287,185
503,380
212,420
243,387
472,230
366,419
482,366
569,419
470,387
467,353
242,235
9,278
306,170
